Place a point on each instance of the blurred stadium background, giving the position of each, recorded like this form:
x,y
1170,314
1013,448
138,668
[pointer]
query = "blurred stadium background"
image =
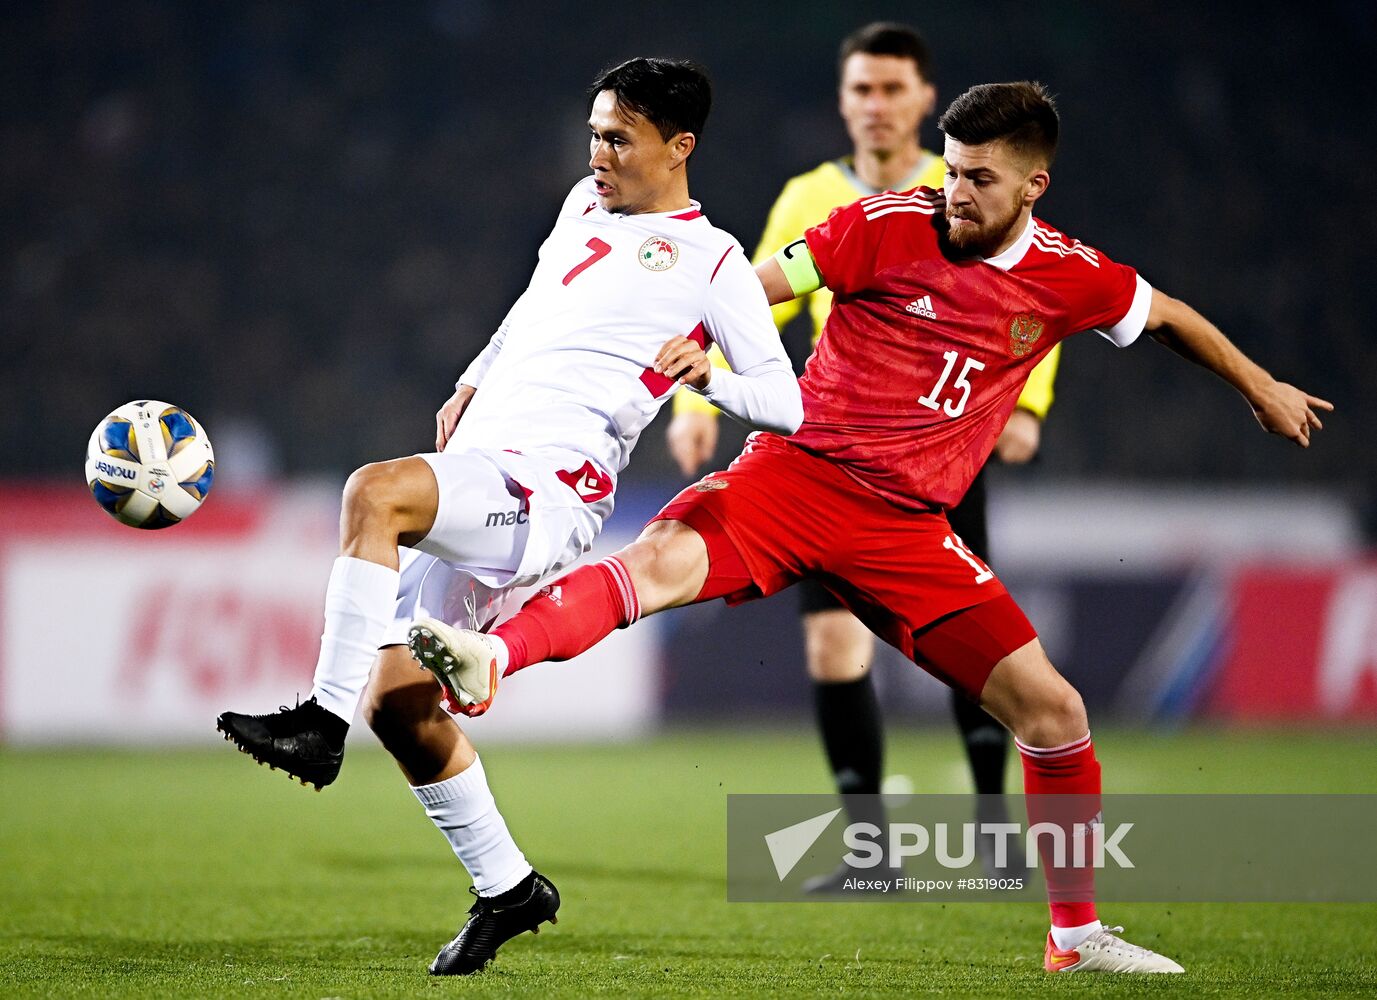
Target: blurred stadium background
x,y
301,221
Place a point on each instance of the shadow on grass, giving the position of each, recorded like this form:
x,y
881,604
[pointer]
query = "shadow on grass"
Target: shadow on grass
x,y
381,862
641,875
440,861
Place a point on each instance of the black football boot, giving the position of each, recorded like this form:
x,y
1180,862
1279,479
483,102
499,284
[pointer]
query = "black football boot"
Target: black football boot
x,y
306,741
495,920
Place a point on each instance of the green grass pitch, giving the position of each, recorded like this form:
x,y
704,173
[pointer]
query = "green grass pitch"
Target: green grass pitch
x,y
195,873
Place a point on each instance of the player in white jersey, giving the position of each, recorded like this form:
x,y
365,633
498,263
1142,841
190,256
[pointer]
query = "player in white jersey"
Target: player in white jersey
x,y
631,285
568,382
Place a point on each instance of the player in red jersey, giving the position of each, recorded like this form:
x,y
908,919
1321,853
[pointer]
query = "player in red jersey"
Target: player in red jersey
x,y
943,303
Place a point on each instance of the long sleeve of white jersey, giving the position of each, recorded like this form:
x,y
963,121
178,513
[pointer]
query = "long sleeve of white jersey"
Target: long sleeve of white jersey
x,y
760,390
477,368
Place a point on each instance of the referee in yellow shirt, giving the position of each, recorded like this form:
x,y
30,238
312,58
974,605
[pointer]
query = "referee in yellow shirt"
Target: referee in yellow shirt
x,y
885,93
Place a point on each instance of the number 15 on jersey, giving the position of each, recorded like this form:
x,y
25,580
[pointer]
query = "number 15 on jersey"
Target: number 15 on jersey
x,y
962,384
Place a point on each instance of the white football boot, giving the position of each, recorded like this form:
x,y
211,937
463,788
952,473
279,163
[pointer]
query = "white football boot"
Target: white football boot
x,y
1104,951
467,664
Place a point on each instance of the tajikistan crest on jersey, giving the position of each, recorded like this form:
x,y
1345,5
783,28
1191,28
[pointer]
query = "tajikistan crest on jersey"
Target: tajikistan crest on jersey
x,y
658,254
1024,331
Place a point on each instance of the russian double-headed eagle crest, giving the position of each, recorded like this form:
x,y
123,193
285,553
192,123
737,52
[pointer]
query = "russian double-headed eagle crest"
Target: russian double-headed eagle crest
x,y
1024,331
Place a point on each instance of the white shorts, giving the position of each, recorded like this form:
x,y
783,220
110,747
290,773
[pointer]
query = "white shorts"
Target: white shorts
x,y
504,521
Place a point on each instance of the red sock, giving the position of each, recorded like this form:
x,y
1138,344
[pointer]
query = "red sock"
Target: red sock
x,y
1062,785
574,613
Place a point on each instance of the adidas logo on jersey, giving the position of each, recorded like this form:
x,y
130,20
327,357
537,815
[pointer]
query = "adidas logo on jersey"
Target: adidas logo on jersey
x,y
922,307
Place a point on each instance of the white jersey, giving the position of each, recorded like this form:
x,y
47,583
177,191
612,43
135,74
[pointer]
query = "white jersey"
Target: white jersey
x,y
571,365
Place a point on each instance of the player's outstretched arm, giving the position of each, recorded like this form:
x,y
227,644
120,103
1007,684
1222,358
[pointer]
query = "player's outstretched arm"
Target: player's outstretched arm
x,y
1280,408
771,276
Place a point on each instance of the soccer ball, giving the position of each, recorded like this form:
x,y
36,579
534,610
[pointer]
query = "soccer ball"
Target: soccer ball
x,y
149,464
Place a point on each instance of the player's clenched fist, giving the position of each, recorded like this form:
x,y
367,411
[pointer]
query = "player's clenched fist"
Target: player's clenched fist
x,y
685,361
447,417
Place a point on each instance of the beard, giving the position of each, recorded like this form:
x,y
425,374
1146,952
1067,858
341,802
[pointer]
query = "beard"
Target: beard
x,y
981,239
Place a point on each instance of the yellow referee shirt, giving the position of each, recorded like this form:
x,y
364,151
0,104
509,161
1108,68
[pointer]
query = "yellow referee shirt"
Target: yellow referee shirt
x,y
806,201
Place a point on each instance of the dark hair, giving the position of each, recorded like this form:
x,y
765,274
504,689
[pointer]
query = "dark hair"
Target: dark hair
x,y
1021,114
886,38
674,95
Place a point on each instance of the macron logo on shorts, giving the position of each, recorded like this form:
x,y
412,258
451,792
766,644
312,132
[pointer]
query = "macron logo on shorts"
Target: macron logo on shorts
x,y
922,307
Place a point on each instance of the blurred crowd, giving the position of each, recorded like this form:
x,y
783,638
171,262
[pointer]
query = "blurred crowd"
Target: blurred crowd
x,y
300,221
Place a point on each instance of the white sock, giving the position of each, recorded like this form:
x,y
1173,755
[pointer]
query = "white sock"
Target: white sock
x,y
1070,937
359,603
500,653
463,809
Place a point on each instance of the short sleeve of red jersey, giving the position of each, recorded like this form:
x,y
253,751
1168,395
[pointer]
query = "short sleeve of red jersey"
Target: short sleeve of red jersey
x,y
861,239
1103,295
843,247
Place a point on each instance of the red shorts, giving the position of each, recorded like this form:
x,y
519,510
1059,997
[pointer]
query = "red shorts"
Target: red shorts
x,y
779,514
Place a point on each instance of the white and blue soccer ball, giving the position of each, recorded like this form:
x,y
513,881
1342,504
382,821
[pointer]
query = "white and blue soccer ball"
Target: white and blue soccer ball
x,y
149,464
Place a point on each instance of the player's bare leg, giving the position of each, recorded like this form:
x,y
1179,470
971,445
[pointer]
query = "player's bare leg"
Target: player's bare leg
x,y
402,708
447,777
668,564
666,567
838,648
385,505
1037,704
1048,720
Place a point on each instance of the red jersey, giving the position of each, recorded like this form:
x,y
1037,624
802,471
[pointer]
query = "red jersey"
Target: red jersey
x,y
922,358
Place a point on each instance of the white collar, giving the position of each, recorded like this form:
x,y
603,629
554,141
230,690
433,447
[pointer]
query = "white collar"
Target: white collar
x,y
694,211
1006,260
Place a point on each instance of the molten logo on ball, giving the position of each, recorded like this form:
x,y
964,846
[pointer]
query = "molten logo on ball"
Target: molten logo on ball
x,y
149,464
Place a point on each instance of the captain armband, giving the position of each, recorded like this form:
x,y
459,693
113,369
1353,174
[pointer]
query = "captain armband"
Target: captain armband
x,y
796,261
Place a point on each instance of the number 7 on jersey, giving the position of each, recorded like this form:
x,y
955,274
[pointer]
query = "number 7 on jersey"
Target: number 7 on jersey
x,y
600,250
